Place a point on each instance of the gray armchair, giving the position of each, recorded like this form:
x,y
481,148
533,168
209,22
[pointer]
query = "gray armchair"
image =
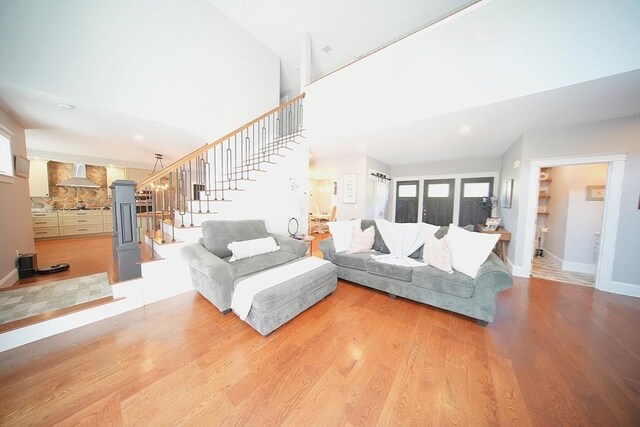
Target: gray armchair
x,y
211,272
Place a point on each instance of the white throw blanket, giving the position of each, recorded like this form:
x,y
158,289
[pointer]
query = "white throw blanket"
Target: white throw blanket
x,y
403,240
246,289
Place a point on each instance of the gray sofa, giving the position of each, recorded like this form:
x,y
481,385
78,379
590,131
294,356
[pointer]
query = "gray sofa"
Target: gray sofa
x,y
455,292
215,277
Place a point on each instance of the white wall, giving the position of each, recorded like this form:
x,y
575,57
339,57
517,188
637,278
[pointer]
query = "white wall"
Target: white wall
x,y
488,164
558,207
613,136
181,63
585,217
511,168
16,232
271,197
371,183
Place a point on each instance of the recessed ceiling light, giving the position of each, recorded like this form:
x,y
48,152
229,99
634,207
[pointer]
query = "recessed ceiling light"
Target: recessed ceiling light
x,y
65,106
326,49
138,137
465,129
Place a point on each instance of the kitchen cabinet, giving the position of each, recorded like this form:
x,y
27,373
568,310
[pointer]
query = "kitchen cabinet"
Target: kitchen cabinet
x,y
45,224
114,173
73,223
107,221
38,178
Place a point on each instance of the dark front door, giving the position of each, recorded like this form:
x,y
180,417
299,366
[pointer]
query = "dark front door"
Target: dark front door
x,y
437,207
471,192
407,201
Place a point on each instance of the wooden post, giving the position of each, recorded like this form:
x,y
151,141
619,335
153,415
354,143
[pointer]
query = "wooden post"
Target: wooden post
x,y
125,246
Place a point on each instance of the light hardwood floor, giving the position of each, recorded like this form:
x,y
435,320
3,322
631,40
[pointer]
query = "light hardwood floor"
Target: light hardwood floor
x,y
556,355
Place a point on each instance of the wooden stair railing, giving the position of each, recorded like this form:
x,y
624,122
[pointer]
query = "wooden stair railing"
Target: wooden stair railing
x,y
210,172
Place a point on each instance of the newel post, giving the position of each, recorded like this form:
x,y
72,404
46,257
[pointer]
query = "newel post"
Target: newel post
x,y
125,247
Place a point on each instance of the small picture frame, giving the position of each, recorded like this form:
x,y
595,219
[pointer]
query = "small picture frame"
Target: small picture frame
x,y
492,223
595,193
350,188
22,166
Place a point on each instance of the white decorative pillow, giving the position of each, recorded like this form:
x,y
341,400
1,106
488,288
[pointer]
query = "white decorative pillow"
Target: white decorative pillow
x,y
249,248
437,253
362,241
469,250
342,231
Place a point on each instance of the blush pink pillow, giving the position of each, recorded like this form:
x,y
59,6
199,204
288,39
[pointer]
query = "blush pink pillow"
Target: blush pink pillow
x,y
437,253
361,241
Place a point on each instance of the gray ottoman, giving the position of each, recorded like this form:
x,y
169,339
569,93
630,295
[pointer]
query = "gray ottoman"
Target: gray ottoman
x,y
277,305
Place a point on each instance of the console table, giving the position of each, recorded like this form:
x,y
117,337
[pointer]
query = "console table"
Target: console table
x,y
501,246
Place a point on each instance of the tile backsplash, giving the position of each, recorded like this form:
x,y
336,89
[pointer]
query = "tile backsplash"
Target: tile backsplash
x,y
67,197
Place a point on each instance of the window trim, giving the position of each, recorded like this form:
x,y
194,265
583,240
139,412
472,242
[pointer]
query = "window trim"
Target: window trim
x,y
8,179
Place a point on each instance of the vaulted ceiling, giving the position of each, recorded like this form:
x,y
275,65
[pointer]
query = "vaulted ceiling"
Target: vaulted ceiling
x,y
182,73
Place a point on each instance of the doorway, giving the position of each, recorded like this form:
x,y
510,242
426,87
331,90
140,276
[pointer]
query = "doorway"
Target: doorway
x,y
472,192
407,201
612,202
569,223
438,201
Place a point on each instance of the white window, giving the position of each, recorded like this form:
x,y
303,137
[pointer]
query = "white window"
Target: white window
x,y
437,190
6,158
476,189
407,190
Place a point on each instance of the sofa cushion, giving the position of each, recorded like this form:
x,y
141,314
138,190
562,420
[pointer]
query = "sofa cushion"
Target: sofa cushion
x,y
254,264
356,261
296,289
361,241
216,235
456,284
399,272
378,242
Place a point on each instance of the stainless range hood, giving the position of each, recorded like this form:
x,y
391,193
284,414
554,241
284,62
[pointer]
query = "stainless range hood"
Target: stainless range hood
x,y
79,178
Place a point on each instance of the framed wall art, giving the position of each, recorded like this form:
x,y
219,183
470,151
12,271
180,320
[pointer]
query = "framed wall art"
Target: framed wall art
x,y
507,193
350,183
595,193
22,166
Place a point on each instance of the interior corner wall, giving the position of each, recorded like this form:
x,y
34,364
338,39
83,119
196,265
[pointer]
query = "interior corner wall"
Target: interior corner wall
x,y
558,207
511,170
613,136
334,168
584,217
370,187
16,229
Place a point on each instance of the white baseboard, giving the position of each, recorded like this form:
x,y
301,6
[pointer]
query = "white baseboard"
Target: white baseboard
x,y
579,267
621,288
552,257
9,279
517,270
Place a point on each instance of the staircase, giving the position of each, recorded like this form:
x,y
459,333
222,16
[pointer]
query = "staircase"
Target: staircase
x,y
213,181
226,179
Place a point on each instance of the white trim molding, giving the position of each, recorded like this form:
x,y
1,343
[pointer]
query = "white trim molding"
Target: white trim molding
x,y
622,288
604,264
9,279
